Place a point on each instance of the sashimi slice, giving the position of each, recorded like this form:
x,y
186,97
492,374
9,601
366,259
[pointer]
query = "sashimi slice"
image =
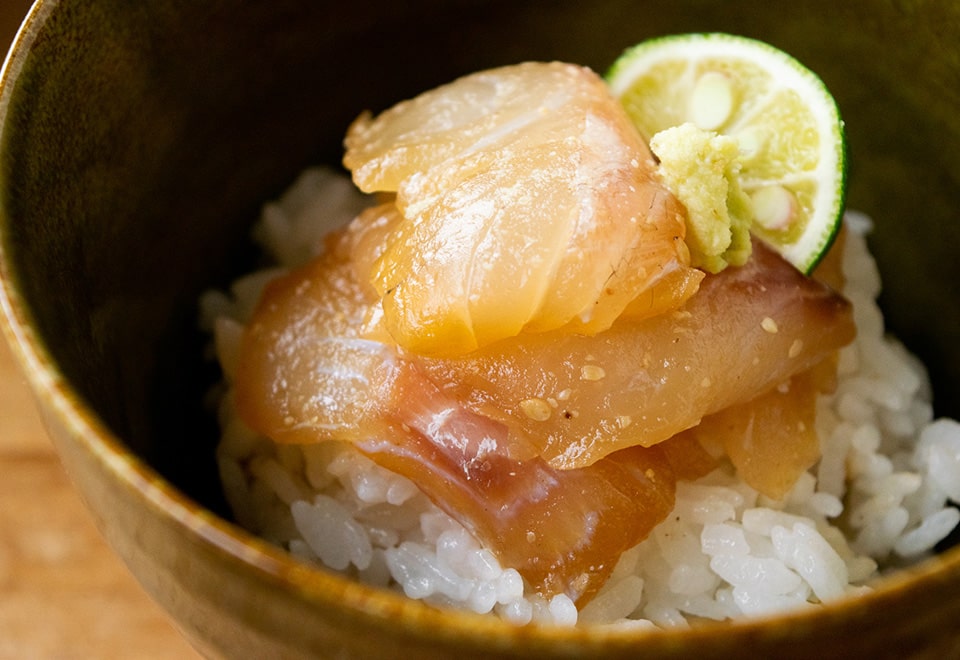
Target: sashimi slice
x,y
562,530
304,373
525,201
306,376
577,398
770,440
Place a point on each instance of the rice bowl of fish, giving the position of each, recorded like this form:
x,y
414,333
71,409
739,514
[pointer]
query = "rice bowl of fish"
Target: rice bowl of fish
x,y
347,513
317,417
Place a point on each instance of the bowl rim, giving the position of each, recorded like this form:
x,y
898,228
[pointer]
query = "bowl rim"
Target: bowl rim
x,y
271,564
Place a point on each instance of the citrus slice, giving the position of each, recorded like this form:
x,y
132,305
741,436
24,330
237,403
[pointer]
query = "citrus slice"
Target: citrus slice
x,y
786,123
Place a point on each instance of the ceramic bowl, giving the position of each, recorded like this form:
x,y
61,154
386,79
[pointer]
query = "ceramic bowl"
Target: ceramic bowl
x,y
138,143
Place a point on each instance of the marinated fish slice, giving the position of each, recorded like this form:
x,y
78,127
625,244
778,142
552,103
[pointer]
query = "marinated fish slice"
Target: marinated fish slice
x,y
580,398
374,226
528,202
776,439
770,440
304,372
305,376
689,457
563,530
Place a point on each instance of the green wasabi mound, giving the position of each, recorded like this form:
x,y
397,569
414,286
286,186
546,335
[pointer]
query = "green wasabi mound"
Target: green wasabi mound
x,y
701,168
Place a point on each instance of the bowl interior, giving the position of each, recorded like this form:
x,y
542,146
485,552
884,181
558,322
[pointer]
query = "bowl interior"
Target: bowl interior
x,y
142,138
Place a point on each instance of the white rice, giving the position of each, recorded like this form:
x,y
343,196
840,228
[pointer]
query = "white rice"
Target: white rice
x,y
879,496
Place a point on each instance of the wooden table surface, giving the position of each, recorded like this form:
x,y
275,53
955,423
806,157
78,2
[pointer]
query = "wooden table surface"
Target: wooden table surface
x,y
63,593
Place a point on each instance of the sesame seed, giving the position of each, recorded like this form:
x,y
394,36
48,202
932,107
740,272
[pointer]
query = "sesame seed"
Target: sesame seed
x,y
592,372
769,325
795,348
536,409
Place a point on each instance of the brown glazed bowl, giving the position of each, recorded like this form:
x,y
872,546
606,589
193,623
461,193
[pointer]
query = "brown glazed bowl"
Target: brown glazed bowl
x,y
138,142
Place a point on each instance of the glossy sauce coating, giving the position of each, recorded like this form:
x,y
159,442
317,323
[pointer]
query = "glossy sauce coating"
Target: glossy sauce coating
x,y
577,398
307,374
526,201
